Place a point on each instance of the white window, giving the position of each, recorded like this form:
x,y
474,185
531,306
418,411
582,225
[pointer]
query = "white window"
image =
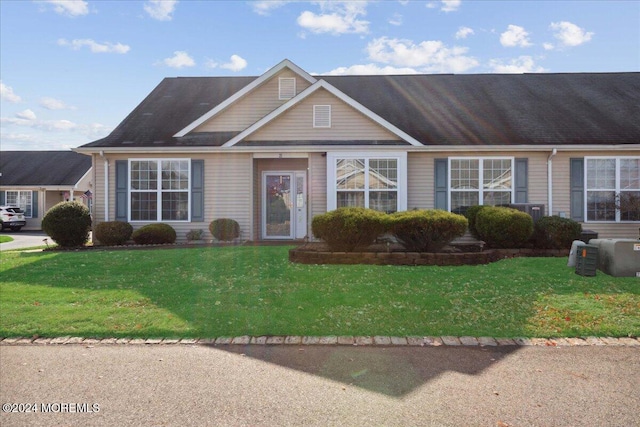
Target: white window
x,y
287,87
159,189
22,199
612,188
480,181
322,116
375,181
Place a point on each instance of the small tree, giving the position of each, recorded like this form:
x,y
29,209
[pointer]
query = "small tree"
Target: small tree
x,y
68,224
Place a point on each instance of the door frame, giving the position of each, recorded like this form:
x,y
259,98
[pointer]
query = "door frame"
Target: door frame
x,y
298,216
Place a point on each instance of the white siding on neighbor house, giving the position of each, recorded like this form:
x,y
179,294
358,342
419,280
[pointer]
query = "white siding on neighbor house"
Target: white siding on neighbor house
x,y
252,107
297,123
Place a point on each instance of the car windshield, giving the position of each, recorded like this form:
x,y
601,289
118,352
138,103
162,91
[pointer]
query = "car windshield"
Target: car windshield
x,y
15,210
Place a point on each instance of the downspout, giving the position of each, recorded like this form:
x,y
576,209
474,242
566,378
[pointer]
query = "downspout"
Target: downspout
x,y
106,186
550,180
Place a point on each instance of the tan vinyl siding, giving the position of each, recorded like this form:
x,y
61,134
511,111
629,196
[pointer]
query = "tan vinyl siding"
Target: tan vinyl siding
x,y
252,107
317,187
297,123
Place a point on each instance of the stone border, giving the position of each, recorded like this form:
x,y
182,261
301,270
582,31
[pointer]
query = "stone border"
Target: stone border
x,y
303,255
371,341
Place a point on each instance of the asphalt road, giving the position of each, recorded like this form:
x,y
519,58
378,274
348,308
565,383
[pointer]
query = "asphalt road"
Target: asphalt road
x,y
184,385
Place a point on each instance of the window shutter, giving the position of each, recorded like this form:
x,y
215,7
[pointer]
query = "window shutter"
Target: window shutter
x,y
197,190
121,190
576,184
34,204
441,179
522,180
2,199
322,116
287,87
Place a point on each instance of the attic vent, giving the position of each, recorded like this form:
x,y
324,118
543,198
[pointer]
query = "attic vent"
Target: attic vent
x,y
322,116
287,87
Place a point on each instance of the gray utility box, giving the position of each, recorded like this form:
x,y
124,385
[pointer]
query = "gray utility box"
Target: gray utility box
x,y
587,260
618,257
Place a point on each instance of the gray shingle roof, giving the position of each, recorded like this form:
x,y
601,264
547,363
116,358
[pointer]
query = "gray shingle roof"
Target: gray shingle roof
x,y
469,109
42,168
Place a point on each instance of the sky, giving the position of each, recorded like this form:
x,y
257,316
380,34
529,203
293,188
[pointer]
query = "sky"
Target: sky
x,y
72,70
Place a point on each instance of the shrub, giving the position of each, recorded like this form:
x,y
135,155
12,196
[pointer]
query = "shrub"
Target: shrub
x,y
553,232
503,227
471,214
348,229
225,229
154,234
68,224
113,233
194,235
426,230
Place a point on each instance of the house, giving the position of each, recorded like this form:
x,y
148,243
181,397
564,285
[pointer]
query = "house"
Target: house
x,y
37,180
273,151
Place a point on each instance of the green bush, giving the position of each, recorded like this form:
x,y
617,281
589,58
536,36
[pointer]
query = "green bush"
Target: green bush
x,y
426,230
195,235
113,233
349,229
553,232
504,227
68,224
154,234
225,229
471,214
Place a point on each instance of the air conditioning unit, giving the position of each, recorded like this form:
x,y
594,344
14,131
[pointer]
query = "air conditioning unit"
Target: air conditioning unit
x,y
536,210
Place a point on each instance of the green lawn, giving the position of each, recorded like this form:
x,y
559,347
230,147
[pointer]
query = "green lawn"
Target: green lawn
x,y
212,292
5,239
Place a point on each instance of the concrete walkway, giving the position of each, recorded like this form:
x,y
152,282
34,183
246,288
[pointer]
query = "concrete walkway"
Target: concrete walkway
x,y
24,239
319,385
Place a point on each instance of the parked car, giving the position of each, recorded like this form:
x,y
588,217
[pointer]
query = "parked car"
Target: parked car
x,y
11,217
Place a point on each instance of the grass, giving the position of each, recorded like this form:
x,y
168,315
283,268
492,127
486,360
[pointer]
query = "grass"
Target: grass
x,y
212,292
5,239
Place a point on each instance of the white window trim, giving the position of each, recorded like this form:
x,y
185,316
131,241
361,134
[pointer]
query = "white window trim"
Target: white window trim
x,y
321,109
158,190
30,192
617,189
400,157
480,190
281,80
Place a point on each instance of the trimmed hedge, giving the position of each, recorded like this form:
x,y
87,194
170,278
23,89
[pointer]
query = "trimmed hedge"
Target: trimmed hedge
x,y
471,214
154,234
225,229
426,230
349,229
113,233
68,224
554,232
502,227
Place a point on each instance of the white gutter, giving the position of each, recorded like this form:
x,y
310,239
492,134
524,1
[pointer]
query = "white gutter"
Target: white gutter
x,y
550,180
106,186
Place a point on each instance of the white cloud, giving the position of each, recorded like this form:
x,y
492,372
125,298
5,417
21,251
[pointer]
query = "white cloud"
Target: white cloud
x,y
180,59
54,104
94,46
428,56
28,119
464,32
26,115
161,10
548,46
336,17
396,19
368,69
69,7
236,63
7,94
450,5
266,6
515,36
570,34
522,64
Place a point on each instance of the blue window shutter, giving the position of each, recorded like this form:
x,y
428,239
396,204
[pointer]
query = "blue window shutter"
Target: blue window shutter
x,y
34,204
522,181
576,184
121,190
197,190
441,181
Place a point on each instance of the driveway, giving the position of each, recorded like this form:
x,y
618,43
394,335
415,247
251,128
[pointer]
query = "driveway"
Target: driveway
x,y
23,239
187,385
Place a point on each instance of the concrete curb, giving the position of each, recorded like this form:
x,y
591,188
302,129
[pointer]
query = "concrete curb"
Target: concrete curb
x,y
373,341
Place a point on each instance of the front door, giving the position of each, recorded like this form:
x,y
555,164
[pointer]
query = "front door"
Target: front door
x,y
284,205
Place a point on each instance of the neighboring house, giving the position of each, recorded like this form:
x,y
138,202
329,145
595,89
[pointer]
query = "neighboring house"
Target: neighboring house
x,y
37,180
275,150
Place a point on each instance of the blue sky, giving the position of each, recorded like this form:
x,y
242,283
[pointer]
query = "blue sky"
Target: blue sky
x,y
71,70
